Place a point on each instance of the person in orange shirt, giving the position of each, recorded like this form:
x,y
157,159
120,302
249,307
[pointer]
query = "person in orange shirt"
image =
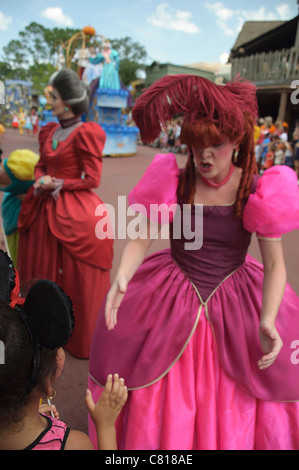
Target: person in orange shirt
x,y
269,125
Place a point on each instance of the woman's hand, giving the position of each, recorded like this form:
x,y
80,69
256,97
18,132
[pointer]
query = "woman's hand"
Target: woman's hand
x,y
45,183
273,289
114,299
271,344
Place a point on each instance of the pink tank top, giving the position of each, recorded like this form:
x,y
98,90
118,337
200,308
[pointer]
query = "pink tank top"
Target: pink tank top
x,y
53,437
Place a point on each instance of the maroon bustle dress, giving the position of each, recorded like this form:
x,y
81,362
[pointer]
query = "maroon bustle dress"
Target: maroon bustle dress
x,y
57,237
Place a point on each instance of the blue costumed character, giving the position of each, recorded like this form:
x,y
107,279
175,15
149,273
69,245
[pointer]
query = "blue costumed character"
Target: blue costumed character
x,y
109,79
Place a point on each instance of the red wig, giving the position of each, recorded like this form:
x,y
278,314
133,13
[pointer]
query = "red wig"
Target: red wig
x,y
210,111
195,97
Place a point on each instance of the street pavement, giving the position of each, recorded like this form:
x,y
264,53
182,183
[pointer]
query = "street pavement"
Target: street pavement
x,y
119,175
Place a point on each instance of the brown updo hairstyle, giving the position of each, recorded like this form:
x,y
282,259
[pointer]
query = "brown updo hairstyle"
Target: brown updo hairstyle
x,y
197,132
72,90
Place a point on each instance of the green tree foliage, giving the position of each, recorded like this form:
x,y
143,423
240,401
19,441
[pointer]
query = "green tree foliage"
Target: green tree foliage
x,y
15,55
33,43
33,55
128,71
132,58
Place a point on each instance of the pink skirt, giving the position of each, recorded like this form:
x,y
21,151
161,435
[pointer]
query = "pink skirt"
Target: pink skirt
x,y
196,404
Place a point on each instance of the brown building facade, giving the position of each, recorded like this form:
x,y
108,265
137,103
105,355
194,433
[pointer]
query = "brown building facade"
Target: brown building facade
x,y
267,53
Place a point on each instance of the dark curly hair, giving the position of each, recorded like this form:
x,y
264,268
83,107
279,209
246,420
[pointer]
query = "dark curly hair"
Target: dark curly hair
x,y
14,373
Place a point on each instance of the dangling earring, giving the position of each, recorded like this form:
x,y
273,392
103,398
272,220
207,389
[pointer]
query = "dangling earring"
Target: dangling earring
x,y
66,109
52,396
236,154
49,401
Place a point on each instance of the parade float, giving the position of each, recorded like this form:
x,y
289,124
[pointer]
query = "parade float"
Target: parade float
x,y
44,110
98,67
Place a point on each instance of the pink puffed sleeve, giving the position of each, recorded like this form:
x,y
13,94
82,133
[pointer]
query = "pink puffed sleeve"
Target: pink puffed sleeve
x,y
155,194
274,207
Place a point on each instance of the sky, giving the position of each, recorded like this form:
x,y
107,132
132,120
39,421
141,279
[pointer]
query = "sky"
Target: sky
x,y
175,31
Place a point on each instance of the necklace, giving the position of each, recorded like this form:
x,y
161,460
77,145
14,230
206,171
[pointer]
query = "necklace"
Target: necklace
x,y
64,123
70,121
217,185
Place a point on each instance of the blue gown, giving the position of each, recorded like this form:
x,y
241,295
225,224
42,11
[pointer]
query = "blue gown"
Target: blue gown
x,y
109,79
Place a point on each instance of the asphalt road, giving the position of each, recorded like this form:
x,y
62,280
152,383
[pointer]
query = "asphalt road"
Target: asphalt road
x,y
119,175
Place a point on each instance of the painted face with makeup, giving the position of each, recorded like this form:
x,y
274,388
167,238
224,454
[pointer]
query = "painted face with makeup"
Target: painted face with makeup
x,y
59,108
214,162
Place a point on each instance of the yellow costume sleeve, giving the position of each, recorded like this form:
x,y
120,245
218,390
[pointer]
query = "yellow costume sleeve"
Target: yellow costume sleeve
x,y
22,164
257,133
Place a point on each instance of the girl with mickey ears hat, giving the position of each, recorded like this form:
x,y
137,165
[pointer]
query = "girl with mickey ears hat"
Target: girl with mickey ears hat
x,y
206,334
33,331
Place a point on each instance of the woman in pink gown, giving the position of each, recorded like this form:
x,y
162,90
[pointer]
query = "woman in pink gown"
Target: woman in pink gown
x,y
204,335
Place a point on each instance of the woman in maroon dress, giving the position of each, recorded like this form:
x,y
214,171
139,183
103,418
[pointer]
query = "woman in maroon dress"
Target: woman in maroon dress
x,y
57,220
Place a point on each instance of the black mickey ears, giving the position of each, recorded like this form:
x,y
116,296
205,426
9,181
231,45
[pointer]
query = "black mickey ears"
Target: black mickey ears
x,y
48,315
48,311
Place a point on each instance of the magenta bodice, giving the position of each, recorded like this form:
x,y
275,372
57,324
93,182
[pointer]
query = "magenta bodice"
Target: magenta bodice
x,y
224,248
